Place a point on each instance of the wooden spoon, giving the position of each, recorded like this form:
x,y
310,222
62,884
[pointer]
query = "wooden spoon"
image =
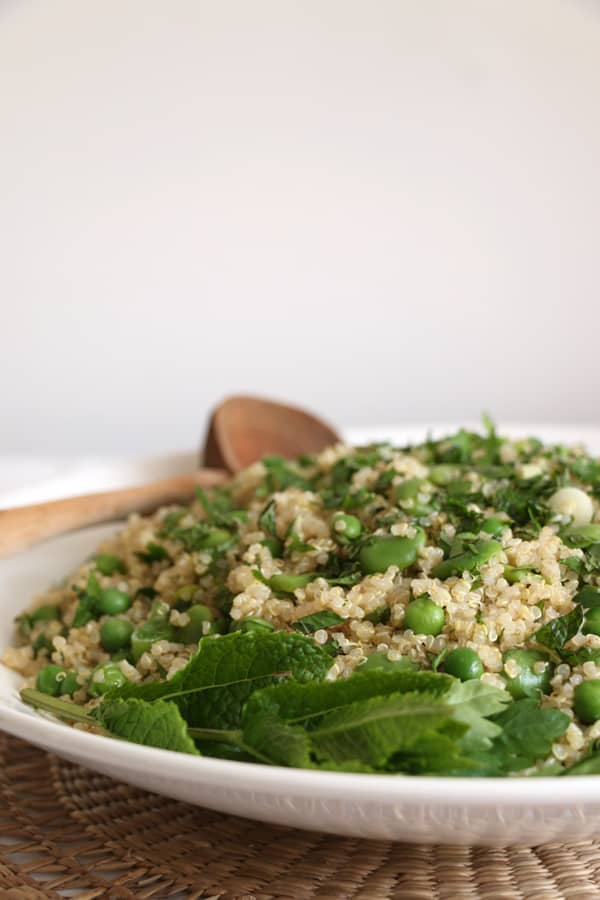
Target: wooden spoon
x,y
241,431
244,429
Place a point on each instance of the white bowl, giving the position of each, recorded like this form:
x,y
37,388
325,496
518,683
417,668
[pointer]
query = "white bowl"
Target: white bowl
x,y
489,811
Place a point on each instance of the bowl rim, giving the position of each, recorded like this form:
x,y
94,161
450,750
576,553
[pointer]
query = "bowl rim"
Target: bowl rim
x,y
473,792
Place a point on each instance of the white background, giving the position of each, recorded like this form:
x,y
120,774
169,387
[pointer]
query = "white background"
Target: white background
x,y
385,210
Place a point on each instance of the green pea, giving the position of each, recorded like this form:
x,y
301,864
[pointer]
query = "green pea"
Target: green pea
x,y
463,663
345,527
252,623
378,660
287,584
46,613
49,679
515,574
388,550
194,630
145,635
274,546
583,535
419,510
468,561
408,490
442,474
494,526
591,624
112,602
69,684
423,616
586,700
109,564
105,677
216,538
115,634
528,683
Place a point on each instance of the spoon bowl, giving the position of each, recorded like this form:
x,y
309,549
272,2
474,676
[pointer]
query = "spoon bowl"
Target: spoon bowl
x,y
243,429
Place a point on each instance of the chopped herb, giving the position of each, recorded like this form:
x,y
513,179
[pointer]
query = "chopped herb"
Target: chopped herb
x,y
316,621
153,553
588,596
268,519
379,616
89,598
555,634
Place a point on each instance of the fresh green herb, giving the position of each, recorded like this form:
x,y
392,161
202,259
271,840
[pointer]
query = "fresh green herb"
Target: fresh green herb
x,y
557,632
148,592
575,563
27,621
281,475
527,734
153,553
156,724
581,656
468,561
155,628
268,519
588,597
379,616
525,501
316,621
89,598
42,644
212,689
295,544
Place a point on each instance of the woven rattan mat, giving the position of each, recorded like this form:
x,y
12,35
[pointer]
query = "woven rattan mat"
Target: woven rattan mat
x,y
68,832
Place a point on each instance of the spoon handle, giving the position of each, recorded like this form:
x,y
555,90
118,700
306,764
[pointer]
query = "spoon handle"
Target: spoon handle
x,y
23,526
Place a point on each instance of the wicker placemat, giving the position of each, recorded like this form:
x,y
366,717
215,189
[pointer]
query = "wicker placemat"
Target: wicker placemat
x,y
68,832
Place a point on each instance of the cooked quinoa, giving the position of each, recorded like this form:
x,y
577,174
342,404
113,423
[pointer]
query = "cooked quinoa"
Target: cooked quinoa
x,y
499,535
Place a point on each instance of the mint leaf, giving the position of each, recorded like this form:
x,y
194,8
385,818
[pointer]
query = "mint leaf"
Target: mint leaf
x,y
212,689
375,730
588,596
274,741
473,702
310,624
528,733
557,632
157,724
303,703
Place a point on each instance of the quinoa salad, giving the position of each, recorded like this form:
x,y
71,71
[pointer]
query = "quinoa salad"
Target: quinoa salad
x,y
429,609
